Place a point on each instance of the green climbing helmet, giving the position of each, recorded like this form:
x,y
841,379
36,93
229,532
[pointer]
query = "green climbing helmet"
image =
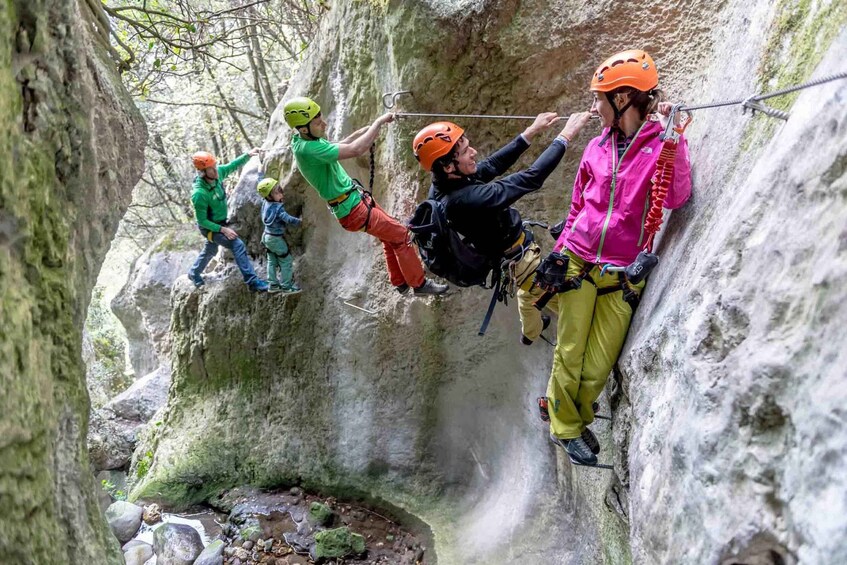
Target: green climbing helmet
x,y
266,186
300,111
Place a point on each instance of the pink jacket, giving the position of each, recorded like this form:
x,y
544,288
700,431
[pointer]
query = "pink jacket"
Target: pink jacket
x,y
608,208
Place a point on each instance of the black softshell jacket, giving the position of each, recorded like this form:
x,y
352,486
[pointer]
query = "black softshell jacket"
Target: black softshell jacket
x,y
479,207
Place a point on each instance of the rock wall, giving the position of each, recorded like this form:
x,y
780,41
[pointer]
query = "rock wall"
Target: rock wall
x,y
730,376
70,153
143,307
143,304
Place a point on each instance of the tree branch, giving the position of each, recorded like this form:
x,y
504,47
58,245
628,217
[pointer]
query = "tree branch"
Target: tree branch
x,y
209,104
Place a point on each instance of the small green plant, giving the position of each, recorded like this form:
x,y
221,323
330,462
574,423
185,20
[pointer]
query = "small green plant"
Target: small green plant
x,y
113,490
144,465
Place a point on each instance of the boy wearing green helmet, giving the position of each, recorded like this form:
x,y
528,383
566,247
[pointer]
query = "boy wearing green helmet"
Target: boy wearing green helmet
x,y
318,161
275,219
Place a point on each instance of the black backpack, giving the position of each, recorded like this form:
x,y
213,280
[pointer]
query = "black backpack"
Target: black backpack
x,y
443,250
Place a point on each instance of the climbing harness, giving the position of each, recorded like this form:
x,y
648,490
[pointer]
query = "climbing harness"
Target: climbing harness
x,y
551,277
505,279
284,255
367,193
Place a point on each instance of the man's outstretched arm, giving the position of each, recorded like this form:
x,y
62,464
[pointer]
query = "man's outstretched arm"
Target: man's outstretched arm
x,y
363,142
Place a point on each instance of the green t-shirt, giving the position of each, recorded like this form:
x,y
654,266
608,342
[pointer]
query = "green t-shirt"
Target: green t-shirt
x,y
318,163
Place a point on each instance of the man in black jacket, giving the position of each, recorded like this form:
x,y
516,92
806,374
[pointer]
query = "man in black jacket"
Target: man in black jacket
x,y
478,204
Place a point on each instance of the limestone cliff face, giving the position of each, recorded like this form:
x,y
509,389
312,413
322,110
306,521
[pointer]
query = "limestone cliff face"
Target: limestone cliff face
x,y
70,153
143,304
729,384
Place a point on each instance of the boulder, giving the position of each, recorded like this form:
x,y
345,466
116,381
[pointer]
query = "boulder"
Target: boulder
x,y
138,554
337,543
176,544
143,304
212,555
727,417
320,514
113,430
152,514
124,518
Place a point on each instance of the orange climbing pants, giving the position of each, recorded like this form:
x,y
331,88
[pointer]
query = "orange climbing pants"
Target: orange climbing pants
x,y
401,257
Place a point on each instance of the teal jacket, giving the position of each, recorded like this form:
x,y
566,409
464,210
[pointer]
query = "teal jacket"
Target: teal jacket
x,y
209,199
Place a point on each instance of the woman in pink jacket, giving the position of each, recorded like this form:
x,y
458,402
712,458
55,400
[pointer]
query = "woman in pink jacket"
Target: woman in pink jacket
x,y
610,204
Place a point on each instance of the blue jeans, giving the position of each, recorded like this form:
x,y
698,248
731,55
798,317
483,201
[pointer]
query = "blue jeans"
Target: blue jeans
x,y
239,250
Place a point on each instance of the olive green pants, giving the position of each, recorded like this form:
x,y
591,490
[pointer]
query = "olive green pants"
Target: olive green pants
x,y
591,332
528,293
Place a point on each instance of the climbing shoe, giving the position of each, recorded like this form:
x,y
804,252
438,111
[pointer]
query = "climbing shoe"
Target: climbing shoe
x,y
577,450
545,322
542,409
274,288
591,441
258,286
197,280
431,287
402,288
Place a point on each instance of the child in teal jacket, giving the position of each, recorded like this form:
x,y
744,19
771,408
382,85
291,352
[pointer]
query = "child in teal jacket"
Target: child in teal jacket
x,y
275,219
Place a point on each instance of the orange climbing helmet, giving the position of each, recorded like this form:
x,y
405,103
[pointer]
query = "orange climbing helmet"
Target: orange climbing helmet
x,y
203,160
434,141
634,68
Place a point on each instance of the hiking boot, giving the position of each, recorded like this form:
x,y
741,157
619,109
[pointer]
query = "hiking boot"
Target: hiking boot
x,y
591,441
258,286
431,287
291,289
274,288
577,450
402,288
542,409
545,322
197,280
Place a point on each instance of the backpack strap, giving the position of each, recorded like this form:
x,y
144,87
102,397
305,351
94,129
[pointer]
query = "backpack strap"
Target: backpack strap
x,y
495,296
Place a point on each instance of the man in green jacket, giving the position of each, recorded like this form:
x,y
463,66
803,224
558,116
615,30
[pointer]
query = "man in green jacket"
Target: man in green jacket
x,y
209,200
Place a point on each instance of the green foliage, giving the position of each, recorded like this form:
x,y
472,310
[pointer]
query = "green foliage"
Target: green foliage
x,y
800,34
113,490
144,465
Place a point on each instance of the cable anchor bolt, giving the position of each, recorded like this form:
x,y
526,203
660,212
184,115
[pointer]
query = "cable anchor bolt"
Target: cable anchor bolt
x,y
754,105
389,99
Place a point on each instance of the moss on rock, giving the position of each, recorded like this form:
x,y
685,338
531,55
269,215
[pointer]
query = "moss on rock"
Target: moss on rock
x,y
53,148
338,543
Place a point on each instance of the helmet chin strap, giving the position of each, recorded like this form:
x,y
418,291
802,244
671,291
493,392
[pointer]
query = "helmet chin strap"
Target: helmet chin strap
x,y
616,124
309,129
